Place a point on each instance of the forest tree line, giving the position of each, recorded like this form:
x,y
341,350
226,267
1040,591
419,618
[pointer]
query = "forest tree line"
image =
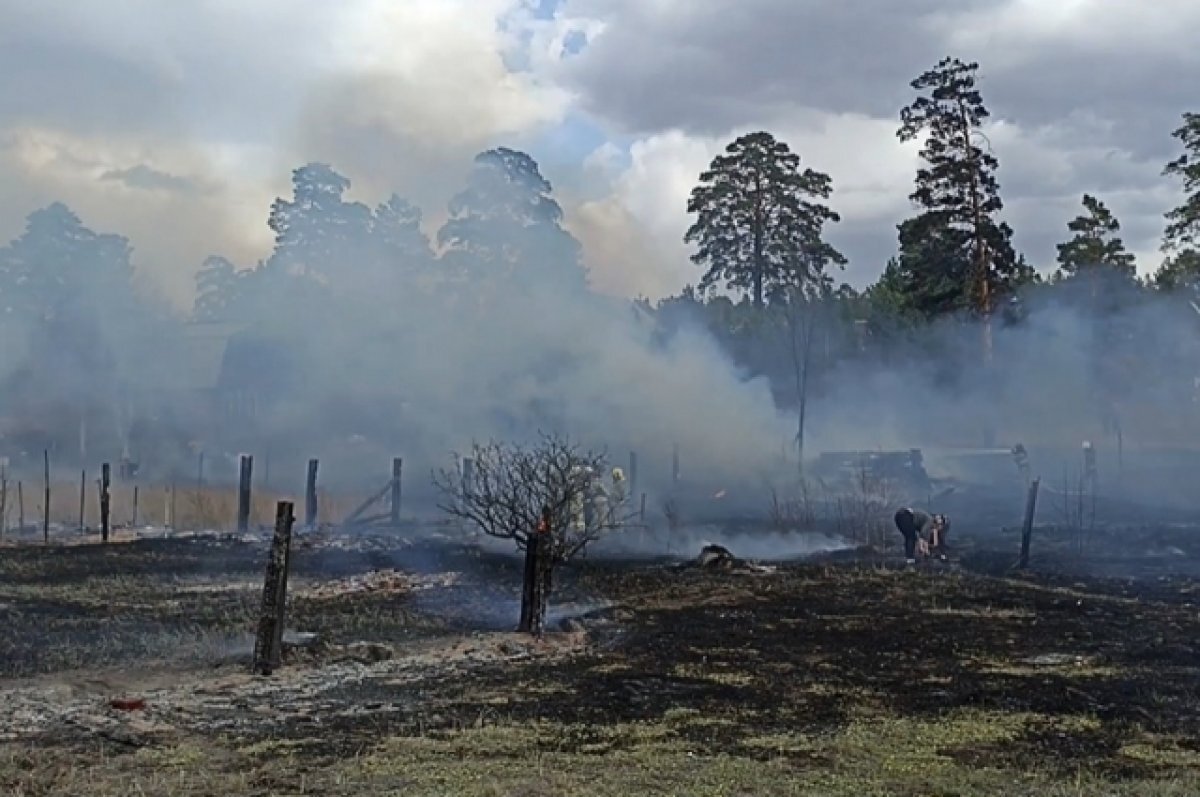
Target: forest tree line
x,y
766,286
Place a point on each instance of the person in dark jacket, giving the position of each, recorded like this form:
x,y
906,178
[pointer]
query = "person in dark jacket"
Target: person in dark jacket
x,y
923,533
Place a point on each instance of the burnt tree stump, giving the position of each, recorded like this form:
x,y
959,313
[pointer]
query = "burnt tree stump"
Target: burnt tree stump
x,y
243,517
268,643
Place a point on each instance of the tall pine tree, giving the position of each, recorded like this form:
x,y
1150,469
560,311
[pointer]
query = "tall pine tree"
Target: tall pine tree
x,y
956,254
1181,240
759,219
505,229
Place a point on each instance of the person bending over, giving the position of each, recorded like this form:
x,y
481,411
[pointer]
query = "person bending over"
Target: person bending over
x,y
924,534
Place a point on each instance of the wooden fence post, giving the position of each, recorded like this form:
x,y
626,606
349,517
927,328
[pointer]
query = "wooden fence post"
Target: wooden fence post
x,y
397,472
243,516
310,495
105,499
268,644
46,507
82,500
1027,527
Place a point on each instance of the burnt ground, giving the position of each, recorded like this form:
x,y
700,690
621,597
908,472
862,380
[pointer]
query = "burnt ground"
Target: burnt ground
x,y
845,676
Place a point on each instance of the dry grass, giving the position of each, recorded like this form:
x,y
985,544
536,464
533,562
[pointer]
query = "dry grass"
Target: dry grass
x,y
183,508
874,756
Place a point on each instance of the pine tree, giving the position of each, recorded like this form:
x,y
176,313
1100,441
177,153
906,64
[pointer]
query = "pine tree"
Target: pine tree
x,y
955,255
1183,228
760,219
505,228
1095,244
217,290
1181,240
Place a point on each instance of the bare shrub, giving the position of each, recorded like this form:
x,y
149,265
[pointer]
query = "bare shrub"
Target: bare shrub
x,y
553,484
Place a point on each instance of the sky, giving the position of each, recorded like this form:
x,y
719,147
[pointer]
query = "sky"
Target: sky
x,y
176,123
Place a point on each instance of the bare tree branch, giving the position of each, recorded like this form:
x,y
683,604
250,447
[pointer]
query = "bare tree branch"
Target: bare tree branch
x,y
512,483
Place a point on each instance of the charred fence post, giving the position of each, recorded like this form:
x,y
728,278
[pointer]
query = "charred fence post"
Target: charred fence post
x,y
243,517
268,643
397,473
46,505
310,495
82,500
1027,527
105,499
135,506
633,473
3,496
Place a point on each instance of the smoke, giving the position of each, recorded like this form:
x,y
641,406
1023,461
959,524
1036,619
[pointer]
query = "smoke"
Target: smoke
x,y
356,357
355,362
1094,360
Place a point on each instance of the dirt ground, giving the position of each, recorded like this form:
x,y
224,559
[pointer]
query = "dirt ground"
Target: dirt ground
x,y
846,676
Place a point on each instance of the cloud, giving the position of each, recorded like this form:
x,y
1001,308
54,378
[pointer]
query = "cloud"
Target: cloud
x,y
704,66
1079,92
215,102
161,194
147,178
112,107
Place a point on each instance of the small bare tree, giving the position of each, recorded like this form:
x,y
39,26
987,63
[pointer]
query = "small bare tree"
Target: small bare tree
x,y
549,495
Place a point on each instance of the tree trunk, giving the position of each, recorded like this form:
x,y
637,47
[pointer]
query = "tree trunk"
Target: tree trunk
x,y
542,605
759,225
544,570
529,586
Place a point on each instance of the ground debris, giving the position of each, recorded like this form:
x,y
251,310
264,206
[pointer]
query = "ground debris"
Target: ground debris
x,y
387,581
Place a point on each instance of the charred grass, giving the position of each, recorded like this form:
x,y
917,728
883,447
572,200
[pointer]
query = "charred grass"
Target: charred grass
x,y
835,680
